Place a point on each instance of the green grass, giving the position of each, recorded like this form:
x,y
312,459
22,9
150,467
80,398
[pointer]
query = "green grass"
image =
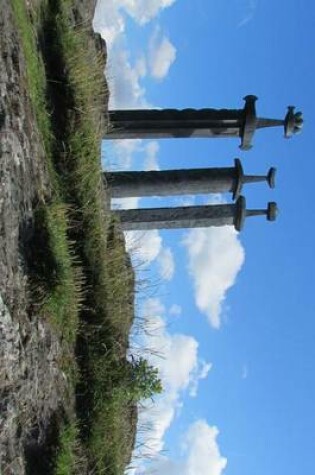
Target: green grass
x,y
84,273
111,433
68,459
120,418
112,421
35,76
61,300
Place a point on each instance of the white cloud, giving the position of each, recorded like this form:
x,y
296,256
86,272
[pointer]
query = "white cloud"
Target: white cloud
x,y
124,76
215,258
201,454
244,374
204,457
125,203
120,156
162,54
175,310
166,263
143,11
176,364
144,246
121,153
124,79
108,20
247,9
110,15
188,200
180,369
151,308
147,246
201,372
151,150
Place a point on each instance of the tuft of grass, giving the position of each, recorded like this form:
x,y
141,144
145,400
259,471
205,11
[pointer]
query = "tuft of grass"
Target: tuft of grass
x,y
113,407
35,78
119,418
63,300
68,456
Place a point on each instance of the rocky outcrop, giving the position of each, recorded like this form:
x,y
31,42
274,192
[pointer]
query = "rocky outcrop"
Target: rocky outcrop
x,y
31,384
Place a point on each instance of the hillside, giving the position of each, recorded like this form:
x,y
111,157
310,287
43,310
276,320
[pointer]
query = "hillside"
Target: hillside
x,y
68,395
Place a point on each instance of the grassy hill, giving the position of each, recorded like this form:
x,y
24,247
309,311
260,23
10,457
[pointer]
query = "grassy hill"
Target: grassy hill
x,y
80,277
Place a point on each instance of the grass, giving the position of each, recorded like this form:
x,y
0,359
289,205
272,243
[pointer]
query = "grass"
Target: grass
x,y
83,273
62,298
113,412
62,302
67,460
35,71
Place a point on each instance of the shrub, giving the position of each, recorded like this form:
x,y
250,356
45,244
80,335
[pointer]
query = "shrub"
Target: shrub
x,y
144,381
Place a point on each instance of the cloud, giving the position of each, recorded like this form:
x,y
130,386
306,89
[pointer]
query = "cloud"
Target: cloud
x,y
188,200
126,91
110,15
244,374
151,150
121,154
144,246
215,257
143,11
125,203
176,365
162,54
180,369
109,20
175,310
201,454
125,76
201,372
203,451
248,9
166,264
151,308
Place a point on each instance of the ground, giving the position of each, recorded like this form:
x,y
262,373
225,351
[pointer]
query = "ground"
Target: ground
x,y
33,386
31,383
68,387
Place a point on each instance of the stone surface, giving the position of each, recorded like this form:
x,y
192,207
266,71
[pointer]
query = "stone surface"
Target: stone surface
x,y
180,217
202,123
183,182
173,123
192,216
171,182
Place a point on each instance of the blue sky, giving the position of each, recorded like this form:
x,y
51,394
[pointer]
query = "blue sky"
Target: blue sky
x,y
232,314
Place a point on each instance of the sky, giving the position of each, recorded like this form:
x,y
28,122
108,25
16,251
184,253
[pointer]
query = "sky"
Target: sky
x,y
227,317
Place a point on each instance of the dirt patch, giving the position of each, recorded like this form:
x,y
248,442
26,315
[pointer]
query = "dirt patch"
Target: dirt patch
x,y
32,386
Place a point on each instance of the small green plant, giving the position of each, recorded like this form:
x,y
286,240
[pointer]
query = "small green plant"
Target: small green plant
x,y
66,457
143,380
